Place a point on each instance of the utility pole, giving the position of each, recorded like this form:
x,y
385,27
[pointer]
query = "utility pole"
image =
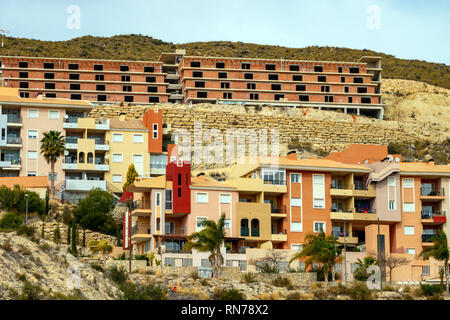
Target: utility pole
x,y
130,246
3,32
345,254
26,208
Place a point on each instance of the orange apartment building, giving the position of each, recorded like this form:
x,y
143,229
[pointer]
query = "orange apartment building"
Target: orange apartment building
x,y
353,87
95,80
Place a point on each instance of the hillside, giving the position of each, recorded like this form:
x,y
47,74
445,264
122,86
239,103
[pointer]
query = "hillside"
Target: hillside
x,y
139,47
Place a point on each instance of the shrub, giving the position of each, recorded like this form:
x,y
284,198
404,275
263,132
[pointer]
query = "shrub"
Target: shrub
x,y
29,231
431,289
10,221
282,282
132,291
388,287
97,267
320,294
193,274
30,291
293,296
228,294
118,275
248,277
21,277
359,291
7,246
14,199
204,282
45,247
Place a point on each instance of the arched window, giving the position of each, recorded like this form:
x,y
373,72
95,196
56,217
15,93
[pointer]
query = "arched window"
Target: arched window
x,y
81,157
244,227
255,228
90,157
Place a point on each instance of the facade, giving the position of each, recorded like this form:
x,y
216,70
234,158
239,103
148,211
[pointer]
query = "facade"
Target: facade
x,y
353,87
267,208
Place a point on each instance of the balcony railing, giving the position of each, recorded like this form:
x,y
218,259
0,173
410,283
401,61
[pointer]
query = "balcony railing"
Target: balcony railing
x,y
72,139
14,161
13,118
275,182
337,234
278,210
141,204
180,232
429,215
431,192
341,186
135,230
14,140
72,119
427,237
365,211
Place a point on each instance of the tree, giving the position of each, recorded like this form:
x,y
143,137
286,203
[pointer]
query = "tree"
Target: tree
x,y
10,221
74,237
52,147
57,234
132,174
269,263
43,230
100,246
209,239
94,212
68,234
83,242
322,249
392,262
361,273
440,252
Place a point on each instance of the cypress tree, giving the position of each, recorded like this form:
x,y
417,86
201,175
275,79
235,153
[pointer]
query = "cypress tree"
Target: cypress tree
x,y
84,239
57,235
68,234
74,237
43,232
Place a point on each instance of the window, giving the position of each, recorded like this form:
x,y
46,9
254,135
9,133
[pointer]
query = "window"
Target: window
x,y
322,78
296,202
325,88
48,65
117,137
152,89
117,157
195,64
350,99
391,204
410,251
276,86
202,94
199,84
358,80
295,177
354,70
153,99
32,134
227,95
254,96
117,178
223,75
126,78
318,69
24,85
50,95
276,177
199,221
227,224
297,77
98,67
24,94
73,66
32,155
366,100
23,74
346,89
425,270
74,76
126,88
138,138
124,68
340,69
53,114
300,87
248,75
49,75
100,87
50,177
245,66
201,197
33,114
318,191
224,85
361,90
197,74
303,97
99,77
74,86
22,64
270,66
155,131
343,79
251,85
150,79
294,67
328,98
409,230
149,69
32,173
273,77
297,247
225,198
319,226
220,65
75,96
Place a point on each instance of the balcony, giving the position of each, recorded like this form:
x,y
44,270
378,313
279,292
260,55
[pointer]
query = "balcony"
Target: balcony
x,y
279,237
5,164
339,190
278,212
432,194
366,216
434,217
175,233
84,184
345,238
13,120
141,208
140,232
14,140
85,166
427,240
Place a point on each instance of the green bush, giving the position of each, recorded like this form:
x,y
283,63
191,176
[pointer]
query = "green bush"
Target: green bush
x,y
431,289
29,231
228,294
30,291
282,282
132,291
10,221
248,277
118,275
97,267
293,296
14,199
359,291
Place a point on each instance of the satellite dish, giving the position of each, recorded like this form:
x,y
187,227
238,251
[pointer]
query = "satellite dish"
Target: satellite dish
x,y
106,157
66,116
397,159
66,153
390,157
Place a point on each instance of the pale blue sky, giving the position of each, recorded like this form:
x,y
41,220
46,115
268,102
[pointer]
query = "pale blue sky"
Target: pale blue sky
x,y
415,29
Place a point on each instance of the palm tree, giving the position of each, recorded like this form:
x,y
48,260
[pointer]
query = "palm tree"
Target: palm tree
x,y
440,252
361,273
101,246
209,239
322,249
52,147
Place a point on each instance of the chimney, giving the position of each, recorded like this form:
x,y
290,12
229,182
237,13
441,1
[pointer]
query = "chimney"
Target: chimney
x,y
292,154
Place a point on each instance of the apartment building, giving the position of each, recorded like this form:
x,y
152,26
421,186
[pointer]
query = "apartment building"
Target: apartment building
x,y
95,80
353,87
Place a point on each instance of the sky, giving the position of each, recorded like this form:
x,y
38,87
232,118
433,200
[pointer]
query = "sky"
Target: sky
x,y
409,29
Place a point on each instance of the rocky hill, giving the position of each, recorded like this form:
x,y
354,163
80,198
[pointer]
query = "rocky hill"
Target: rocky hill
x,y
41,269
139,47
